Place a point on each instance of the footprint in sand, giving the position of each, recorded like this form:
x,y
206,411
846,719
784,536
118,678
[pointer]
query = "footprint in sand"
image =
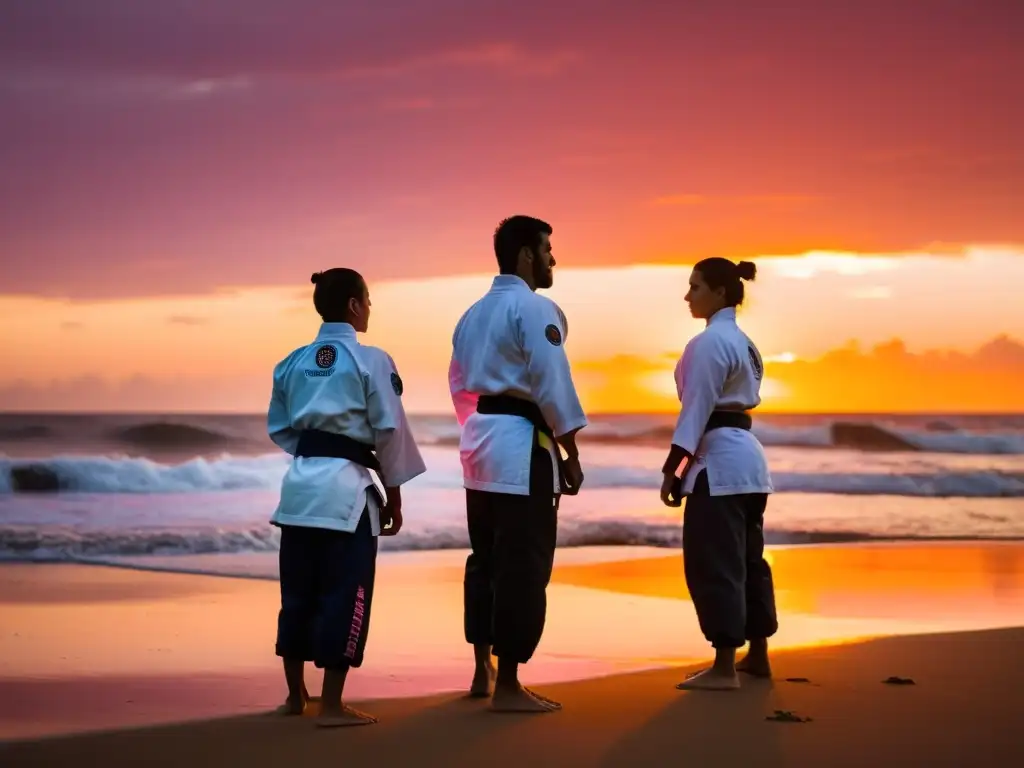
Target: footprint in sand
x,y
785,716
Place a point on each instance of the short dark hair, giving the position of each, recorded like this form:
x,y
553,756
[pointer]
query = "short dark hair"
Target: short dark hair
x,y
334,289
722,273
512,235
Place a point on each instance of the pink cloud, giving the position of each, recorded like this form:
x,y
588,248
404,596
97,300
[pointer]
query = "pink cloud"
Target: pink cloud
x,y
290,134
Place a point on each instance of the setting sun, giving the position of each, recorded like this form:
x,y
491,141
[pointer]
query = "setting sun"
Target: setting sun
x,y
627,328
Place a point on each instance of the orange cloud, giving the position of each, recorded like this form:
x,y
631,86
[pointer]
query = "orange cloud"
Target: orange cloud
x,y
886,379
889,378
627,328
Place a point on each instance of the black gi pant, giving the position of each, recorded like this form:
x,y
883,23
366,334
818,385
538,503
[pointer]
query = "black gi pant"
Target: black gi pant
x,y
729,580
326,591
507,574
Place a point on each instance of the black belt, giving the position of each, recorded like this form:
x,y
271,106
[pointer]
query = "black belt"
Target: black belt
x,y
724,419
507,405
314,443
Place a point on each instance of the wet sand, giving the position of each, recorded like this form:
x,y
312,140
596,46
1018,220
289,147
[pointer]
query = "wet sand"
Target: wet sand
x,y
85,648
964,709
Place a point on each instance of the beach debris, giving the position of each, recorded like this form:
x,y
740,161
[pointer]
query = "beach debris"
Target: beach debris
x,y
785,716
893,680
797,680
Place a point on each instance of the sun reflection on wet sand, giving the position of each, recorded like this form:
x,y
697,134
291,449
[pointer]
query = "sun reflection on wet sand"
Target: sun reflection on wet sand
x,y
189,645
980,582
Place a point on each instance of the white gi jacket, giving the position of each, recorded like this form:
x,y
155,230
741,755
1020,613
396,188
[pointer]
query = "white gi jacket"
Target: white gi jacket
x,y
510,342
721,369
338,385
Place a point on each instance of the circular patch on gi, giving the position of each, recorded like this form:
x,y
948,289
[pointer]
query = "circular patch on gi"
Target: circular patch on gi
x,y
553,335
326,356
396,384
755,362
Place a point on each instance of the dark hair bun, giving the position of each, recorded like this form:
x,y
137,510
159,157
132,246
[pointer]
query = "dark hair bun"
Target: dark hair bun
x,y
316,277
746,270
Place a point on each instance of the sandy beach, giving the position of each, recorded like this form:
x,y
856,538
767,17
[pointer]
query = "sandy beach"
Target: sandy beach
x,y
126,652
964,709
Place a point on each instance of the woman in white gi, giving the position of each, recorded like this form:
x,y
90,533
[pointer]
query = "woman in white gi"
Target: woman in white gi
x,y
725,479
336,407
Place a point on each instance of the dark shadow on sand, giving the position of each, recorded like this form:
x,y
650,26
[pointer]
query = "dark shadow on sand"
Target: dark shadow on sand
x,y
699,728
415,728
963,711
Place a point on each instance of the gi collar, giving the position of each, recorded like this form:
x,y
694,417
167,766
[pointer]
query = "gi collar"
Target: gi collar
x,y
336,331
724,315
507,282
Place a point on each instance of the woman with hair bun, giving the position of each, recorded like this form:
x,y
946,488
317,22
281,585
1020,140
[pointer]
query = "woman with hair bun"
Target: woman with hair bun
x,y
336,407
725,479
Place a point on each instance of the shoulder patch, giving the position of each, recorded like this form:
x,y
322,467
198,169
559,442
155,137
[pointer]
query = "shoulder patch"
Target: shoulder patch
x,y
396,384
326,356
755,362
553,335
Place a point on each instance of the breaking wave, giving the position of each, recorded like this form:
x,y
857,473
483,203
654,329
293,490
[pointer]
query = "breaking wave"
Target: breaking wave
x,y
863,436
247,435
167,435
99,474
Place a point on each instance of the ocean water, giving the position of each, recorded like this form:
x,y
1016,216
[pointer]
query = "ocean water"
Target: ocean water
x,y
133,486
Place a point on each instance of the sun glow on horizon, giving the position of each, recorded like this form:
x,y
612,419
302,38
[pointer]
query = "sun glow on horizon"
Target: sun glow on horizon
x,y
772,390
627,328
808,265
781,357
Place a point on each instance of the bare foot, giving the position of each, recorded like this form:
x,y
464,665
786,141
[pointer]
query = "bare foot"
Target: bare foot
x,y
520,700
711,680
344,717
550,702
292,707
756,667
480,688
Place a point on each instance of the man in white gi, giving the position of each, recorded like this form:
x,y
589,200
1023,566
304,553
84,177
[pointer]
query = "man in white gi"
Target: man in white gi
x,y
725,479
516,403
337,408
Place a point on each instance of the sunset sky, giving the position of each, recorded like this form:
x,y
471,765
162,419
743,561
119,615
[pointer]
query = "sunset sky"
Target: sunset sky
x,y
174,171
